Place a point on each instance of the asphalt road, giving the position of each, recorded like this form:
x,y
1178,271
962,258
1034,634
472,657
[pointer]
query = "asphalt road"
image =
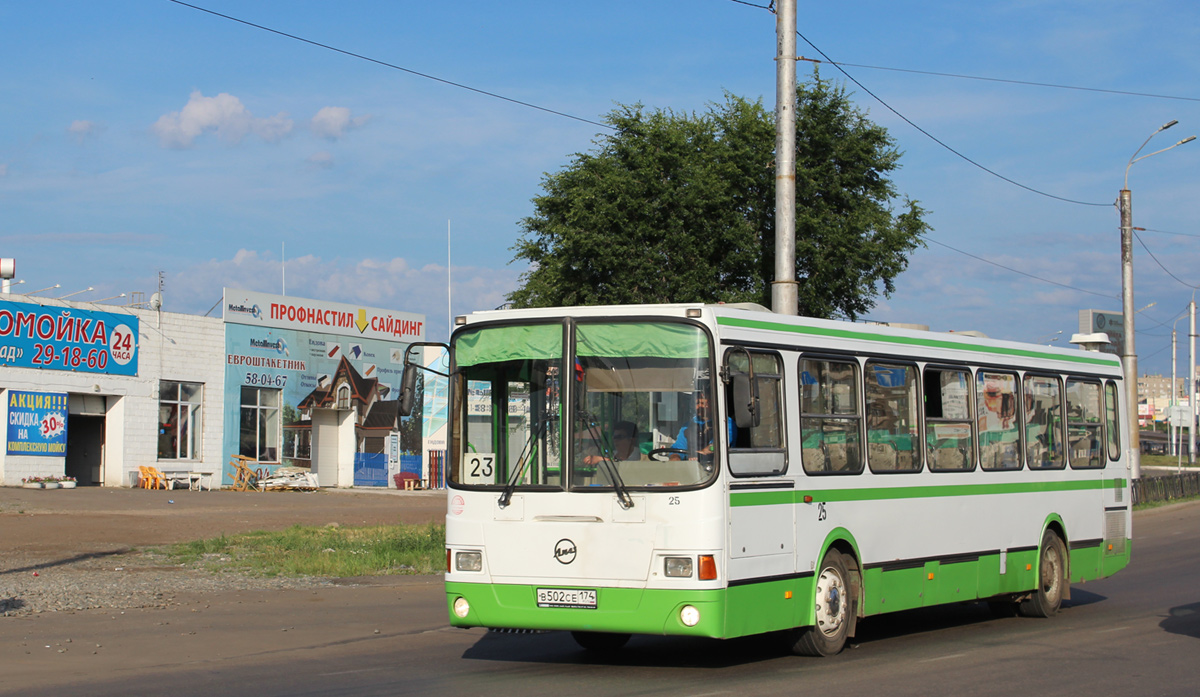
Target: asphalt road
x,y
1136,633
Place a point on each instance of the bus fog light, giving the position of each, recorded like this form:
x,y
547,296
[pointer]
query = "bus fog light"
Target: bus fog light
x,y
468,561
689,615
680,567
461,607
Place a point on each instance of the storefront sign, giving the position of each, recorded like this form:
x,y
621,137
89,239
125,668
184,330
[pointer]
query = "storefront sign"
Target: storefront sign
x,y
50,337
302,314
37,423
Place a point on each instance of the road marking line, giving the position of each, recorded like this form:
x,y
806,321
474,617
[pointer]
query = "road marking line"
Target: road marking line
x,y
1113,629
348,672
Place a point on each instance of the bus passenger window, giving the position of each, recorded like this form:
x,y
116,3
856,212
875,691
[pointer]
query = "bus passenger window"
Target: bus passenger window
x,y
1084,429
999,431
1111,421
1043,423
892,414
830,419
948,420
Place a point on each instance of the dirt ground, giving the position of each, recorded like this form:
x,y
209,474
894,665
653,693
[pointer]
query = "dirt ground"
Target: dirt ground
x,y
78,538
62,522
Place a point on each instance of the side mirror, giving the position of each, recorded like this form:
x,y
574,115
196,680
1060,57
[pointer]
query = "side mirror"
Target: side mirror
x,y
408,389
745,401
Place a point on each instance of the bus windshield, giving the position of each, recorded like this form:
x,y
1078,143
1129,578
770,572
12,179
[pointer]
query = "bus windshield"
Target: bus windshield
x,y
641,414
506,415
644,413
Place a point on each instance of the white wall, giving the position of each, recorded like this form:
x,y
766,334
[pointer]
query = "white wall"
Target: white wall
x,y
171,346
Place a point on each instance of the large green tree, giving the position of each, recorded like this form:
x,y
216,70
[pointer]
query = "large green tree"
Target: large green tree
x,y
680,208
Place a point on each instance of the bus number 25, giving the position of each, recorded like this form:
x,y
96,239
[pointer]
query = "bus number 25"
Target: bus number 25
x,y
481,466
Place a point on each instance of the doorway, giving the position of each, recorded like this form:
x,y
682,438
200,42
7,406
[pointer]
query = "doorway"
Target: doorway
x,y
85,448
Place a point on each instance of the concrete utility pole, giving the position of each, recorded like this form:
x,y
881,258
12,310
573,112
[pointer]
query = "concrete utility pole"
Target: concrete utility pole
x,y
1128,353
785,298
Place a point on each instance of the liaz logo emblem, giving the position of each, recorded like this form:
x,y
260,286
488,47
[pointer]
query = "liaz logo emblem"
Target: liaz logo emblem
x,y
564,551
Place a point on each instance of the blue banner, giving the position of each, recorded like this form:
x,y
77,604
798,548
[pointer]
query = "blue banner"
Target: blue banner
x,y
37,423
50,337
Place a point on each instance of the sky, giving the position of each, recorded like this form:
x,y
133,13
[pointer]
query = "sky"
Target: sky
x,y
146,137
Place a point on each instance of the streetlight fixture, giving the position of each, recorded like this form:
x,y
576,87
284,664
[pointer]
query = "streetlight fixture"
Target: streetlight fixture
x,y
1128,353
42,290
85,290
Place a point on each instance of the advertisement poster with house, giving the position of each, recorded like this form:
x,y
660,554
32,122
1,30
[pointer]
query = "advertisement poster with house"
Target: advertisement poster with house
x,y
314,385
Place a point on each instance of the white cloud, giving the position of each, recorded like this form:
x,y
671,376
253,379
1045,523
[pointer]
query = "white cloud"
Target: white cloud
x,y
322,159
385,283
82,130
332,122
223,114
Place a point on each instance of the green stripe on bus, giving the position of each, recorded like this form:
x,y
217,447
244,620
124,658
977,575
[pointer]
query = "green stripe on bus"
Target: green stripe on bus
x,y
769,498
910,341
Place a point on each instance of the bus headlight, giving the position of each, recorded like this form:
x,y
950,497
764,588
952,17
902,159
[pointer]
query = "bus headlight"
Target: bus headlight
x,y
468,561
689,615
461,607
678,567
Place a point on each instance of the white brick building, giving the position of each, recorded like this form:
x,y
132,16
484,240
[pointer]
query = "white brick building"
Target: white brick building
x,y
117,423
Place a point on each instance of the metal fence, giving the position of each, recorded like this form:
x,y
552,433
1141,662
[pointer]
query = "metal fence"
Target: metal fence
x,y
1168,488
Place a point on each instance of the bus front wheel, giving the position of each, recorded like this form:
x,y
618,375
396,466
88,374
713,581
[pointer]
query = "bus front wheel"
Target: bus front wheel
x,y
833,607
1047,598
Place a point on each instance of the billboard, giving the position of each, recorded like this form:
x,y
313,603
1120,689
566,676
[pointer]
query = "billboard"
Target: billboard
x,y
37,423
1111,323
54,337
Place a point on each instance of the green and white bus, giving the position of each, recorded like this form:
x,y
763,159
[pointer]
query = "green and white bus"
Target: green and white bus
x,y
721,471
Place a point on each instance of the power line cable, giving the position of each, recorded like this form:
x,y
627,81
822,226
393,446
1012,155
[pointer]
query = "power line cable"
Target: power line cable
x,y
1160,264
927,134
1023,273
1167,232
395,67
1005,80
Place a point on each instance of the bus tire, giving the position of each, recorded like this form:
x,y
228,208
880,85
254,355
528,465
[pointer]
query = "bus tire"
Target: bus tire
x,y
600,642
1047,598
828,635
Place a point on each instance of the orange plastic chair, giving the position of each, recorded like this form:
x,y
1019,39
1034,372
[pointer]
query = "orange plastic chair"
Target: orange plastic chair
x,y
151,478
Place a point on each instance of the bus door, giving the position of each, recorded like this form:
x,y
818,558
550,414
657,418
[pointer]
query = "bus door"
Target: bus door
x,y
762,535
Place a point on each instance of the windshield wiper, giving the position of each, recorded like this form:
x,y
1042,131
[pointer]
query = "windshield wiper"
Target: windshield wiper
x,y
526,455
623,496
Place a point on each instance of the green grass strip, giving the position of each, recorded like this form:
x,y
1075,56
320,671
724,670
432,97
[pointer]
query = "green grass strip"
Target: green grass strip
x,y
329,551
911,341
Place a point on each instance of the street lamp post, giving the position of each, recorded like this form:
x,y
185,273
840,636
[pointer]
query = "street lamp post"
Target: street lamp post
x,y
1128,353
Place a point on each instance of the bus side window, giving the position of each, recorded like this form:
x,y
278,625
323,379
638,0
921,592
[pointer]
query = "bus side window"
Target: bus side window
x,y
830,417
1085,446
759,449
948,423
892,414
1111,421
1043,422
999,429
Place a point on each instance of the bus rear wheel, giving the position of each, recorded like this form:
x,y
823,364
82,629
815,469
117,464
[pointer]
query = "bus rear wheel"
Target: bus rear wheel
x,y
828,635
1047,598
601,642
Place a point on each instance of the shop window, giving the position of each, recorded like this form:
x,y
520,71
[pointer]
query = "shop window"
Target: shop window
x,y
260,424
179,424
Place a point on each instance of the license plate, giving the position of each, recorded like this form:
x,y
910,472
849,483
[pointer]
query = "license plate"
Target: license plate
x,y
581,599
